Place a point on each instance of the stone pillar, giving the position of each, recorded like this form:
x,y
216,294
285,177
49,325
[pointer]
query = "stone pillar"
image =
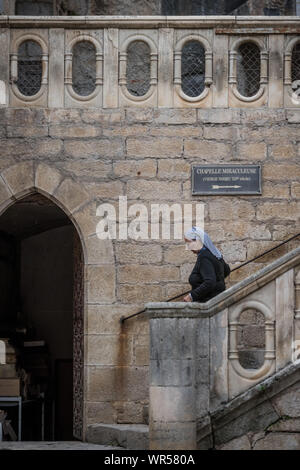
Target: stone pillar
x,y
178,347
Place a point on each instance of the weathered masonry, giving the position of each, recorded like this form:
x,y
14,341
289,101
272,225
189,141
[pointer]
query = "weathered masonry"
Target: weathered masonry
x,y
93,108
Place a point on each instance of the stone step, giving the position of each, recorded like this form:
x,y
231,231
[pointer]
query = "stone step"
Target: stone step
x,y
128,436
53,445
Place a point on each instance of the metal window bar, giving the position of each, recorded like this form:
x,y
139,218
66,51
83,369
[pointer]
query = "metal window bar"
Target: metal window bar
x,y
193,68
123,319
248,69
84,68
296,62
138,68
29,68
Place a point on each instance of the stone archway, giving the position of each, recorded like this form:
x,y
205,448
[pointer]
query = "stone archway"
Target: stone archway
x,y
22,179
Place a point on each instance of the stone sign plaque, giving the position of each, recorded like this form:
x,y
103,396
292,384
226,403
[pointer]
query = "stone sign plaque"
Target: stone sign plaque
x,y
226,179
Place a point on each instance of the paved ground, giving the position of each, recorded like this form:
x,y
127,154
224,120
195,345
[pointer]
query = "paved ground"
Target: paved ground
x,y
59,445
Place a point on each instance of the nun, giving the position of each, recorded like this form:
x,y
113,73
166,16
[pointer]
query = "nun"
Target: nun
x,y
210,270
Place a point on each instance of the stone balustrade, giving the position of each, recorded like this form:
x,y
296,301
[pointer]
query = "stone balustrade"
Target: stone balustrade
x,y
111,62
194,361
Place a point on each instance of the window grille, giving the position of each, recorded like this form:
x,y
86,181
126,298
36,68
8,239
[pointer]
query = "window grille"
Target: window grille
x,y
248,69
84,68
296,62
29,68
193,68
138,68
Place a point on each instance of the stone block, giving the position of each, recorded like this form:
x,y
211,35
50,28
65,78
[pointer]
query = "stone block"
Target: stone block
x,y
117,383
27,117
139,115
286,425
172,436
240,443
283,151
134,168
101,283
221,133
219,116
172,404
112,189
174,116
255,419
172,372
133,294
129,436
174,169
206,149
5,193
178,255
233,251
287,403
87,168
278,210
251,151
27,131
71,194
102,116
96,412
176,131
130,412
173,338
295,190
231,210
94,148
47,178
65,132
130,253
106,319
154,147
275,191
154,190
293,116
64,116
109,350
279,441
281,171
147,274
99,251
19,177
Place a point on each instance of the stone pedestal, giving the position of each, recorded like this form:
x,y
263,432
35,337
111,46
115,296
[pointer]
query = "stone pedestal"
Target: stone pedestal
x,y
178,347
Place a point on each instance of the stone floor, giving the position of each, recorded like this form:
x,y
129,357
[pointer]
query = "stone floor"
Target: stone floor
x,y
57,445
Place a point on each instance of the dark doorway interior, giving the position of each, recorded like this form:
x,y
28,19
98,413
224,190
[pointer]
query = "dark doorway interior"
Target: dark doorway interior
x,y
36,314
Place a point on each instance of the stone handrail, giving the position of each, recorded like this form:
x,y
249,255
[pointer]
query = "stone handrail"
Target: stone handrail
x,y
194,360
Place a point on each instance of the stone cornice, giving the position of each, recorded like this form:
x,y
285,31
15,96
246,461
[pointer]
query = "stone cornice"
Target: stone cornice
x,y
229,296
222,24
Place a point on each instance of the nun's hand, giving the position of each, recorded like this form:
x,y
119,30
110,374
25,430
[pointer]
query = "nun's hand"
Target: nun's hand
x,y
188,298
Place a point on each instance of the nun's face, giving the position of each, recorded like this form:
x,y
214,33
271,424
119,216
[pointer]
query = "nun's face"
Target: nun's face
x,y
193,245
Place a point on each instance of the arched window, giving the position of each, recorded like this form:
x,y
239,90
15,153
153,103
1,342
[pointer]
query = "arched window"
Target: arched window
x,y
84,68
295,70
248,69
138,68
30,68
193,68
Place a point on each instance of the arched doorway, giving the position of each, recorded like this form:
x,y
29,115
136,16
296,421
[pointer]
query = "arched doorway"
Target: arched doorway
x,y
41,315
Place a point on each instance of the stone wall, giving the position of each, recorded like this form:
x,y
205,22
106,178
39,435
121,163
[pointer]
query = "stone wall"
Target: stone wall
x,y
147,155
